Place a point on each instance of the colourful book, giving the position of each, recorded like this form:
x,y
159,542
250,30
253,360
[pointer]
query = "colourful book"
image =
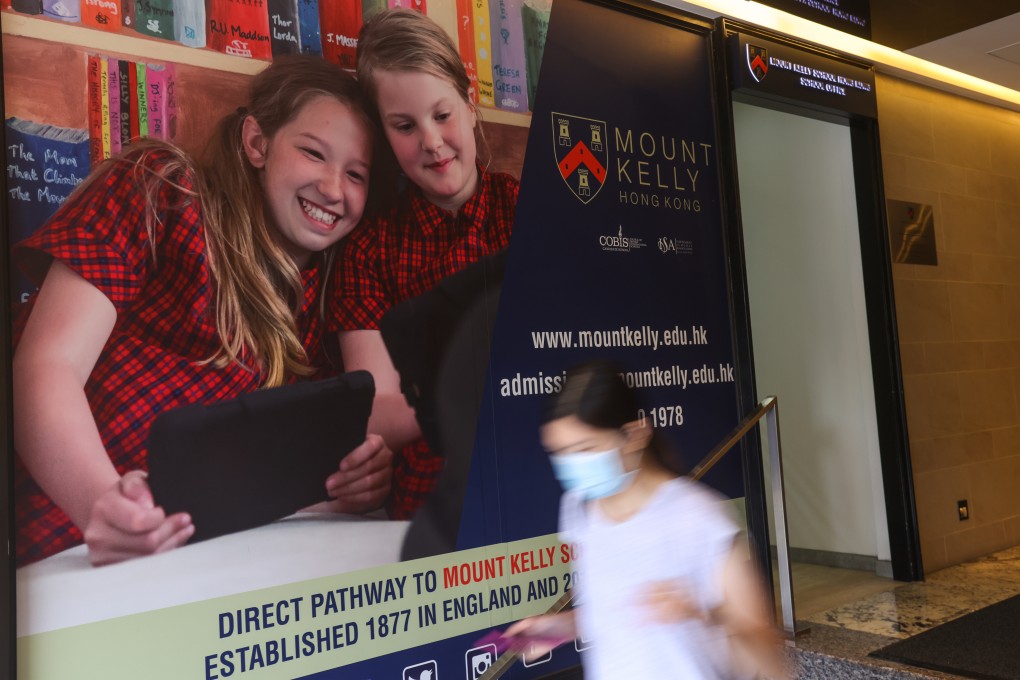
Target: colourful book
x,y
308,26
104,94
95,108
466,44
133,106
141,73
155,18
370,7
44,164
127,13
509,69
156,78
102,14
483,53
27,6
113,98
189,22
64,10
340,24
285,36
410,4
535,19
125,68
239,27
170,100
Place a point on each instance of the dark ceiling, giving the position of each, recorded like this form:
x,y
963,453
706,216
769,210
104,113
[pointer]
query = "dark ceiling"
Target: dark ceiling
x,y
903,24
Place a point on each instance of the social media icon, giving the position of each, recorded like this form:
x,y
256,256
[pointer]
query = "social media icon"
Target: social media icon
x,y
426,670
478,660
529,658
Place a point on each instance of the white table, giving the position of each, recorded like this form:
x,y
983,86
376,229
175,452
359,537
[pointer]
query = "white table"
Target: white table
x,y
65,590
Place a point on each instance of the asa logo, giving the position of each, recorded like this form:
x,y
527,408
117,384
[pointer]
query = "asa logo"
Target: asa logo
x,y
582,153
757,62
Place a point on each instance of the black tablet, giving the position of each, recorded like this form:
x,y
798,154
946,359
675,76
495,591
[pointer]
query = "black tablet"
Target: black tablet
x,y
245,462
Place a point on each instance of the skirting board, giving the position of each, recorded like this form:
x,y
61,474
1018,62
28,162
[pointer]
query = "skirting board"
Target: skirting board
x,y
828,558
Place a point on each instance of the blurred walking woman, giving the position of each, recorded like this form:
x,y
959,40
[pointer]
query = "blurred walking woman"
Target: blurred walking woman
x,y
663,588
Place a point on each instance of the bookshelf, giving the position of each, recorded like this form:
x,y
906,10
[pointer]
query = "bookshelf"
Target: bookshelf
x,y
137,47
134,46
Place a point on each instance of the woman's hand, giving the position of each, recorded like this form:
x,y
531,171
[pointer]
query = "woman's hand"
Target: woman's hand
x,y
539,635
126,523
670,602
363,482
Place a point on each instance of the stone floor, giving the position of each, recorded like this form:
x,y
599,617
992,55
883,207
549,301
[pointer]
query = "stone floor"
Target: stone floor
x,y
842,636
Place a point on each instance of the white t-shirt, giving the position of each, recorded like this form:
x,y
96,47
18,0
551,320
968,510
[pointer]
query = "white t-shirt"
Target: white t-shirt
x,y
683,534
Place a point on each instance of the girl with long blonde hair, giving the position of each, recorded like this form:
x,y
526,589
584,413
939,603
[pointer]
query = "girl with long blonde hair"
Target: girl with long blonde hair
x,y
170,281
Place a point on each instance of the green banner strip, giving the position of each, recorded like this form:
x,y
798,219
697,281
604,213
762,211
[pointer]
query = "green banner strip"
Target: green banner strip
x,y
303,628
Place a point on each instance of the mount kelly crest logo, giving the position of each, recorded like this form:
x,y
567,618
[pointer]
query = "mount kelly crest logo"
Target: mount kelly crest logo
x,y
757,62
581,149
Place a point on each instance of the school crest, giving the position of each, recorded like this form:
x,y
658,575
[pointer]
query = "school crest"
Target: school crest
x,y
757,62
581,149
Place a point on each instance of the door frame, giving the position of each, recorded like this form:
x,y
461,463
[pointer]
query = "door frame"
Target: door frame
x,y
883,335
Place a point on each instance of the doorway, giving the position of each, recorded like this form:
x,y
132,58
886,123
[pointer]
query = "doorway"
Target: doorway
x,y
810,331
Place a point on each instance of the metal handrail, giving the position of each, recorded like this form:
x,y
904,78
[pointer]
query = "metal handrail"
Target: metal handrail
x,y
768,408
731,440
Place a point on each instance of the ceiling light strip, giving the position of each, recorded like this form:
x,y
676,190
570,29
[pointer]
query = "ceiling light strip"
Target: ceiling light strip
x,y
886,59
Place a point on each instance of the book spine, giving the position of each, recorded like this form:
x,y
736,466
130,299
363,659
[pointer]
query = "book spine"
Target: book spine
x,y
27,6
483,53
189,22
466,44
285,36
104,104
95,98
535,20
155,85
142,96
133,105
63,10
127,13
341,22
103,14
240,28
509,70
155,18
124,77
419,5
308,26
371,7
170,103
113,97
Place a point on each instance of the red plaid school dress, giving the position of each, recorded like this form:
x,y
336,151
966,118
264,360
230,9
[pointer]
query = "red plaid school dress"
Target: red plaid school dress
x,y
404,253
165,326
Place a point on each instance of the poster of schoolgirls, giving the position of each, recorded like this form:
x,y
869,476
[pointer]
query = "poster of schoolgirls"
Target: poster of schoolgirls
x,y
592,200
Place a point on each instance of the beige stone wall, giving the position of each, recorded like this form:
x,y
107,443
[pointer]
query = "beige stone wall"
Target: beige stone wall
x,y
959,322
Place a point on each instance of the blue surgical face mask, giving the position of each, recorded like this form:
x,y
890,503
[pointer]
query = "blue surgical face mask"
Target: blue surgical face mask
x,y
595,474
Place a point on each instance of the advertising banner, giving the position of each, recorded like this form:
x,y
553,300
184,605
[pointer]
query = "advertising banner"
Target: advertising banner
x,y
617,251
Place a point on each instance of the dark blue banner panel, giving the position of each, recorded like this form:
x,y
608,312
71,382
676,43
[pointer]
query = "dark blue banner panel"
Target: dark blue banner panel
x,y
617,252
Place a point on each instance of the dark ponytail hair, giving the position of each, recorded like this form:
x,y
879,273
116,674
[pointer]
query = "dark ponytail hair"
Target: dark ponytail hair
x,y
595,393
